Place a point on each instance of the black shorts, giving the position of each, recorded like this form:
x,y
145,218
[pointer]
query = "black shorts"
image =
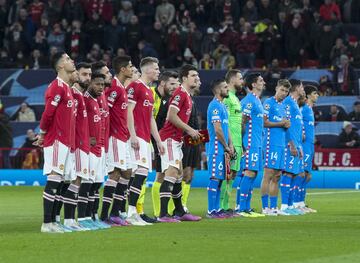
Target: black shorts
x,y
191,156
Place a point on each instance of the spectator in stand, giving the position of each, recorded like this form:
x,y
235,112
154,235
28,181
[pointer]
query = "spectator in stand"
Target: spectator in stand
x,y
288,7
295,43
95,54
324,44
206,62
355,114
30,139
272,76
189,58
53,11
330,11
174,45
5,61
94,28
40,42
246,46
26,114
267,11
72,10
13,14
348,137
37,60
36,9
354,51
345,77
326,87
335,114
227,32
27,25
16,39
21,61
56,38
157,38
103,8
165,13
193,39
198,14
210,41
146,50
125,13
249,11
75,40
337,50
146,11
223,57
134,34
6,138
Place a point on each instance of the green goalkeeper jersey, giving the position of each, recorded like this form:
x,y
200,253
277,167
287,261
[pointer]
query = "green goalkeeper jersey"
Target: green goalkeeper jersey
x,y
235,117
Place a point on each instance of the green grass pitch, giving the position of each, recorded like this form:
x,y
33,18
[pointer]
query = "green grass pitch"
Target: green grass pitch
x,y
331,235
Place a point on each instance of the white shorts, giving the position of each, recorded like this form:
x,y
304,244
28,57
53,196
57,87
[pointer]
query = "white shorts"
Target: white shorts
x,y
119,154
81,165
173,154
103,169
57,158
142,156
94,166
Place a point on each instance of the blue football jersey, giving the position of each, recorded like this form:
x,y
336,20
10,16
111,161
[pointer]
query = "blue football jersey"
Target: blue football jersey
x,y
252,108
309,121
216,112
275,112
294,133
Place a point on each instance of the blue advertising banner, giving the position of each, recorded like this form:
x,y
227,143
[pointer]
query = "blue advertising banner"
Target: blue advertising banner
x,y
320,179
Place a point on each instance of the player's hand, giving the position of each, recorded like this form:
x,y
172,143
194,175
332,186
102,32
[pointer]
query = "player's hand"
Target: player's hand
x,y
92,141
39,140
286,123
161,148
301,154
195,135
232,150
293,151
134,143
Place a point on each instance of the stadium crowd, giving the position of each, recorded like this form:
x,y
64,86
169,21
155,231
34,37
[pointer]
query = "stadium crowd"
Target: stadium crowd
x,y
212,34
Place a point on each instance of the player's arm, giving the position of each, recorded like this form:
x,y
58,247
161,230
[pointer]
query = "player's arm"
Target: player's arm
x,y
52,101
231,146
177,122
131,126
245,119
281,124
156,136
220,135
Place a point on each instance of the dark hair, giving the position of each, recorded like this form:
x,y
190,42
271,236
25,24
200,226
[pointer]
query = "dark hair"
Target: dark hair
x,y
294,84
83,65
97,75
230,74
184,71
251,78
97,66
120,62
166,75
56,58
284,82
148,60
310,89
214,85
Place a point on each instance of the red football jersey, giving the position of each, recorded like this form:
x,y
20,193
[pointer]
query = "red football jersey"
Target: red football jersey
x,y
141,95
58,118
82,122
180,100
94,117
105,121
117,101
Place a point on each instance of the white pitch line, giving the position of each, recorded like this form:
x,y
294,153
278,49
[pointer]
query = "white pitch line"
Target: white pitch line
x,y
337,192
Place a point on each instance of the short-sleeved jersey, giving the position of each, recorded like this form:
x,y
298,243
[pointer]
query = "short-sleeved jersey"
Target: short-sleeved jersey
x,y
233,106
94,117
157,101
309,122
216,113
294,133
275,112
254,110
141,95
105,121
58,118
118,103
82,122
180,100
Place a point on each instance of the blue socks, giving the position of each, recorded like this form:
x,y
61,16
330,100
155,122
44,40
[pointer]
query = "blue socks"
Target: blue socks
x,y
238,194
248,199
245,187
273,202
265,201
298,182
291,192
213,190
285,183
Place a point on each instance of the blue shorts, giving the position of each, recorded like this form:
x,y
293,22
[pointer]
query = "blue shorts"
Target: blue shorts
x,y
216,166
274,157
308,149
292,163
252,160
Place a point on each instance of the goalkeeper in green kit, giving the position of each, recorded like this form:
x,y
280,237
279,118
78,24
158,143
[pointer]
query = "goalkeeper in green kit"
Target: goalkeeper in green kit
x,y
235,82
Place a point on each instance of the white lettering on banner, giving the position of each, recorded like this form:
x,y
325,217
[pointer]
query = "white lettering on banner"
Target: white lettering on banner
x,y
5,183
17,183
332,157
318,158
346,159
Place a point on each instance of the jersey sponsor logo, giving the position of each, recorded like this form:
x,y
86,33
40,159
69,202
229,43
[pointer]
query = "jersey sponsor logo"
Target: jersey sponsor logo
x,y
61,167
260,115
277,118
97,118
147,103
298,117
56,100
249,106
113,94
287,107
216,111
131,92
311,123
177,98
267,107
225,121
69,103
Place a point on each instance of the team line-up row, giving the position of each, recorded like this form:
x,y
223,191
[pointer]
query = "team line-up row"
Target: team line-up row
x,y
95,124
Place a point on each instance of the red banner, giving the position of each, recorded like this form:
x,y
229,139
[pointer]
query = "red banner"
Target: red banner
x,y
333,159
